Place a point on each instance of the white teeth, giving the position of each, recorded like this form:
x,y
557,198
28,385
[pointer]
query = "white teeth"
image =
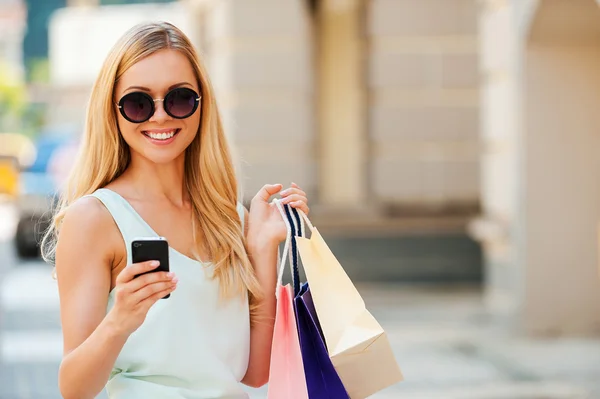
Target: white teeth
x,y
161,136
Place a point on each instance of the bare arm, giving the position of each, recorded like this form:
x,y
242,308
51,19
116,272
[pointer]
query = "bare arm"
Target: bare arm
x,y
265,229
92,339
263,256
83,266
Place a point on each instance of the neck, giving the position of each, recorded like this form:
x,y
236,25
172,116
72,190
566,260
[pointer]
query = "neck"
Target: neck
x,y
158,181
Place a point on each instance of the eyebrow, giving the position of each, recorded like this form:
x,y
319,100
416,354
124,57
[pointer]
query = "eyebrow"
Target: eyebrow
x,y
142,88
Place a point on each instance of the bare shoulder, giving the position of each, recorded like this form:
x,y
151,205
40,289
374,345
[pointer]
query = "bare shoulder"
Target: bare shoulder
x,y
87,212
88,226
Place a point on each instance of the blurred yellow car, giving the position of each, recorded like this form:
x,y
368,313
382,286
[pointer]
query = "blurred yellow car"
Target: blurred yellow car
x,y
16,151
9,176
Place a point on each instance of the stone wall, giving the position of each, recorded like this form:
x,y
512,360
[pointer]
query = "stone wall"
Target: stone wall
x,y
260,61
423,85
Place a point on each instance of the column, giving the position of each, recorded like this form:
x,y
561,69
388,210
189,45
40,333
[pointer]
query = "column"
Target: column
x,y
341,104
541,162
561,169
259,57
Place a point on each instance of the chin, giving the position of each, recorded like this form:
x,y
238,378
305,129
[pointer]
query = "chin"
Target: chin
x,y
162,157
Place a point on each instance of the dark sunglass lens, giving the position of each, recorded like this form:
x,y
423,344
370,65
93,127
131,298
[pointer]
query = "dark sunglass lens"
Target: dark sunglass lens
x,y
181,103
137,107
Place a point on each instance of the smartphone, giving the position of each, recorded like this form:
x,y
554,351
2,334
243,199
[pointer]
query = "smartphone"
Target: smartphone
x,y
151,248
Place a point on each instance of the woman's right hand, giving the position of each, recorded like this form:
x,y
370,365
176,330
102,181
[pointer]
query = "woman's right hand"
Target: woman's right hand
x,y
135,295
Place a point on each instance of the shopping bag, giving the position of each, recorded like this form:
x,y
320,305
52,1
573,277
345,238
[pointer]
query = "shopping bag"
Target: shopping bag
x,y
357,344
322,379
286,372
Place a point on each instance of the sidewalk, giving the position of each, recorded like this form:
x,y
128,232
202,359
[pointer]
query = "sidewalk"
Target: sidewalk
x,y
448,347
444,341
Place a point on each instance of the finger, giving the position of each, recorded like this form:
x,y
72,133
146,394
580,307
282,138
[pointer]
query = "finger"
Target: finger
x,y
267,191
129,272
294,198
150,278
289,191
300,205
295,185
151,289
151,300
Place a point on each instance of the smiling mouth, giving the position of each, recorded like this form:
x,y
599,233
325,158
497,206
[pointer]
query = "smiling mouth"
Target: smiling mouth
x,y
161,136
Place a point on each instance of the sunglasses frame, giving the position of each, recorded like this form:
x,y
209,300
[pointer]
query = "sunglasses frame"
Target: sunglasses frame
x,y
153,107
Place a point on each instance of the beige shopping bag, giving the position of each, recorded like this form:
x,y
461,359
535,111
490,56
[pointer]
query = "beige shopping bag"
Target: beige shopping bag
x,y
358,346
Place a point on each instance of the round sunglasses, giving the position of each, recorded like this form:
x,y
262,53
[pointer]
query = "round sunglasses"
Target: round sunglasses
x,y
179,103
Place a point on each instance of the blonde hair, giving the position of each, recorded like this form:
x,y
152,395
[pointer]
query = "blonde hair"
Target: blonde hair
x,y
209,172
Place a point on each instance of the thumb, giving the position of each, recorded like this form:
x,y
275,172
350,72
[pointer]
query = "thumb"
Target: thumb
x,y
267,191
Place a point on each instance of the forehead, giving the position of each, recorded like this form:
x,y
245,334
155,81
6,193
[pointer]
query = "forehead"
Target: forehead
x,y
158,71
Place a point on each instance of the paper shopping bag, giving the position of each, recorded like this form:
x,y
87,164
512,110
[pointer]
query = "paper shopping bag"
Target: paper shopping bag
x,y
358,346
286,373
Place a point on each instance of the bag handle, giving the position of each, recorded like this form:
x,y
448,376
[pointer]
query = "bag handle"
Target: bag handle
x,y
286,248
297,231
293,224
305,219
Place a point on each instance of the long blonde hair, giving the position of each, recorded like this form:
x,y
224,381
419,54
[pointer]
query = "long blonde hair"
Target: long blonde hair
x,y
209,172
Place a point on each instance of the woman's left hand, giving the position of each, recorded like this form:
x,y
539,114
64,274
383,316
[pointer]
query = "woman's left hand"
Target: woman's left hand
x,y
265,225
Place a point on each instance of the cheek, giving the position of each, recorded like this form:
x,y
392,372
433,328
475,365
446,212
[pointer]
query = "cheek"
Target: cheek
x,y
127,129
193,125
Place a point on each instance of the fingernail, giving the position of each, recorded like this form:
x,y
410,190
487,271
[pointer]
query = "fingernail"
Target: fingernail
x,y
175,280
155,263
170,274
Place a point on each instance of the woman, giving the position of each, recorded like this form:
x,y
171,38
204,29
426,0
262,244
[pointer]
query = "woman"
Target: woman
x,y
154,162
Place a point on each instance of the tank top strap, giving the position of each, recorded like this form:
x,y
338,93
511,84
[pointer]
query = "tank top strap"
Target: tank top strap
x,y
130,223
241,213
128,220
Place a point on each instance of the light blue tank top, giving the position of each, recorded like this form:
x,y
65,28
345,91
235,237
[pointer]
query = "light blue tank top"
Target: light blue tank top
x,y
192,345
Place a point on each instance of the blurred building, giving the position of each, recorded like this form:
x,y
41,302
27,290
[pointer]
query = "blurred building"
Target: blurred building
x,y
35,43
368,105
541,163
435,107
79,42
432,110
373,106
13,15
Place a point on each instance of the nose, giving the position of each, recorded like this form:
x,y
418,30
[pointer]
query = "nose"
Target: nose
x,y
160,115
